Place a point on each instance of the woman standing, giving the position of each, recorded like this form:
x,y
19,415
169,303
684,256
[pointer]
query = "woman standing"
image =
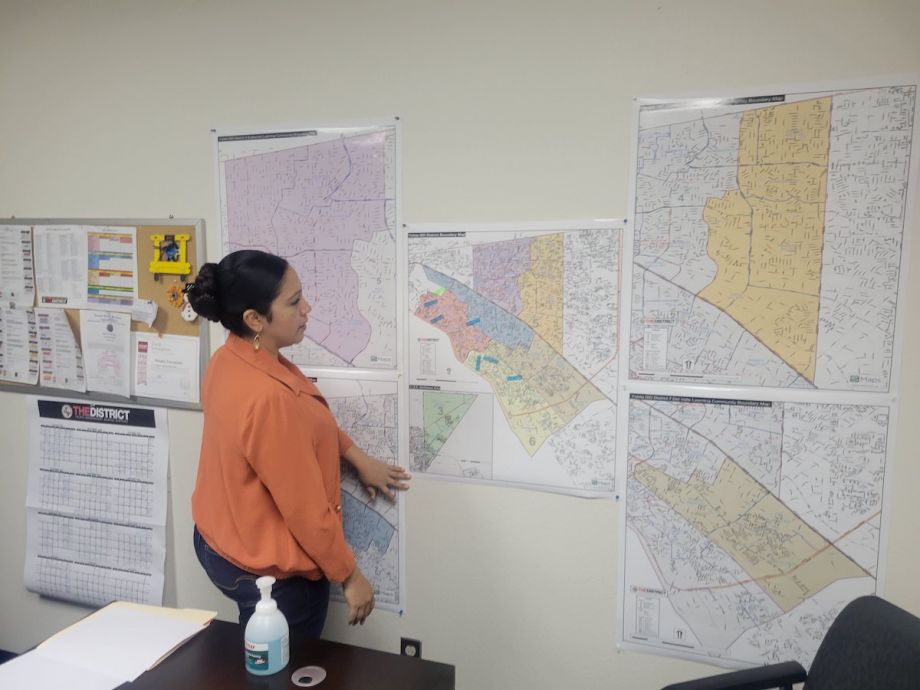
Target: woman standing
x,y
267,500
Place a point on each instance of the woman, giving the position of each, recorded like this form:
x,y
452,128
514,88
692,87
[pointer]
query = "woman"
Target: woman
x,y
267,500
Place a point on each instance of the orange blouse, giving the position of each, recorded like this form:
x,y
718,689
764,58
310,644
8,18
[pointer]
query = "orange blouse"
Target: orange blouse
x,y
268,496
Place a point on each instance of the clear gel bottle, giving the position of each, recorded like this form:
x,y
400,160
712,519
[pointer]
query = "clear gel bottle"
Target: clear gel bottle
x,y
267,640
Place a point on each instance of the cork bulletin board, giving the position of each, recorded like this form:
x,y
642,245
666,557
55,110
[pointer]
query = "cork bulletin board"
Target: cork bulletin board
x,y
162,288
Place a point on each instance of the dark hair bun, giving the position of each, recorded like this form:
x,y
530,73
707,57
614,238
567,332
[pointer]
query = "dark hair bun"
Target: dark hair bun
x,y
204,294
244,279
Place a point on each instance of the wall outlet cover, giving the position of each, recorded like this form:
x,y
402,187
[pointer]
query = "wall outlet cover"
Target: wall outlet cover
x,y
410,647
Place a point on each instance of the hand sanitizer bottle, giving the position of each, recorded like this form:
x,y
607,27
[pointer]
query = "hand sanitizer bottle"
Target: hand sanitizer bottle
x,y
266,638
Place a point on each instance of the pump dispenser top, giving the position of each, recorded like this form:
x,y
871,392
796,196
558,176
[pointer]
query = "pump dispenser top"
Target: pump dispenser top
x,y
266,603
267,640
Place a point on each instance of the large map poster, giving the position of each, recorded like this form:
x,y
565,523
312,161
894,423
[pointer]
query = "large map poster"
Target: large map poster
x,y
367,410
325,200
513,339
769,259
769,238
749,524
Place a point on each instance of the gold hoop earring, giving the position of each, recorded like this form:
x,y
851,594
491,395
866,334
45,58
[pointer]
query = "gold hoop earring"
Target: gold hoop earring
x,y
257,342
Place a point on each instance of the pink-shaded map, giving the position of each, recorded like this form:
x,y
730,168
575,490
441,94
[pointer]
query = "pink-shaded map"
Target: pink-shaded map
x,y
450,315
317,205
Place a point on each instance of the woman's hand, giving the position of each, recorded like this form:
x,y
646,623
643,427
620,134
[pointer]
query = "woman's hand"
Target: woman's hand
x,y
359,595
377,475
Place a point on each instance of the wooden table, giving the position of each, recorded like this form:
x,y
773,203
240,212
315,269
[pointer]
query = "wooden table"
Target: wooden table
x,y
213,660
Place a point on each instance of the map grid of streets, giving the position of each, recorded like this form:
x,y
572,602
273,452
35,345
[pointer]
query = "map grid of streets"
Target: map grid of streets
x,y
513,356
768,255
367,412
750,524
326,202
768,240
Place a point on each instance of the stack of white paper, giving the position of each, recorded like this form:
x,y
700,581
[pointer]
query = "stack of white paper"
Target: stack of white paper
x,y
112,646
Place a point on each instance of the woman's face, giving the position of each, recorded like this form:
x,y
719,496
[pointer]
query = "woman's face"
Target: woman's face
x,y
288,315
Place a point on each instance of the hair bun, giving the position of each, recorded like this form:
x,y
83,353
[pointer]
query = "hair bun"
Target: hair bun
x,y
203,293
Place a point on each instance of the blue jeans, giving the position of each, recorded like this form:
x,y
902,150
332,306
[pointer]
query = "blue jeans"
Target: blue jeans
x,y
303,602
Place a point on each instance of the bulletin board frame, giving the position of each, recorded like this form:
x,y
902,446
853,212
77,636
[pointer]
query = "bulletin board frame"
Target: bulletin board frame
x,y
168,320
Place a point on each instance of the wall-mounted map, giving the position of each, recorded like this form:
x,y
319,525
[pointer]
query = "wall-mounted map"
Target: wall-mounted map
x,y
325,200
513,343
768,238
749,524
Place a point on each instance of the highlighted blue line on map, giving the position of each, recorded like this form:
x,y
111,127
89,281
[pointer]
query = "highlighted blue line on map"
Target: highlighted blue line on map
x,y
478,361
490,359
437,318
473,322
495,322
514,377
431,303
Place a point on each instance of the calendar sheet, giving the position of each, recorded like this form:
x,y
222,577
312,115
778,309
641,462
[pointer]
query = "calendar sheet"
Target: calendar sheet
x,y
96,501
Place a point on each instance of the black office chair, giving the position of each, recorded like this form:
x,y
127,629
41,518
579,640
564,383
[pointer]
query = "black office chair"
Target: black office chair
x,y
871,645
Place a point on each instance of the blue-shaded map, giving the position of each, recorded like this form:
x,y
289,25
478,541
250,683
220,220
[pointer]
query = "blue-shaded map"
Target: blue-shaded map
x,y
365,526
489,318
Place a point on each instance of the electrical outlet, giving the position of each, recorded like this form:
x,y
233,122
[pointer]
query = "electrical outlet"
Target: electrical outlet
x,y
410,647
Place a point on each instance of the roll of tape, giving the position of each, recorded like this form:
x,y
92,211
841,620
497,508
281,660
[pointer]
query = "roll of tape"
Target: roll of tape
x,y
308,676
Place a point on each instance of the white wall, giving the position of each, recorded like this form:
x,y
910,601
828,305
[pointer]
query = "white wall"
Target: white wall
x,y
512,110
